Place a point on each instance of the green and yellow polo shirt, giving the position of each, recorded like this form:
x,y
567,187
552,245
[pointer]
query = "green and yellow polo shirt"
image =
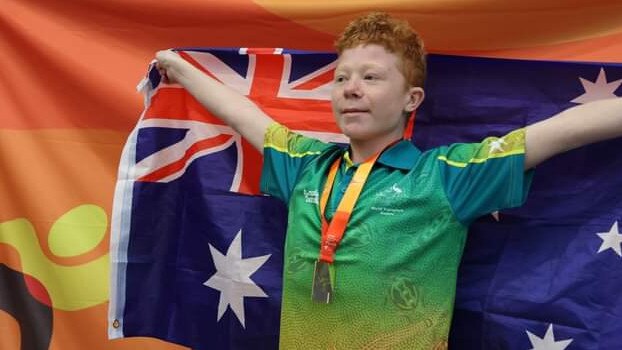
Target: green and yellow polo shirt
x,y
397,263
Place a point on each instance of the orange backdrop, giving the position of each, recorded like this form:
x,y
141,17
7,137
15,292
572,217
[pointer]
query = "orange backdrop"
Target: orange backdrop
x,y
68,101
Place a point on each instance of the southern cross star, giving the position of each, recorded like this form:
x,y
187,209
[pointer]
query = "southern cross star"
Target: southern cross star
x,y
611,239
598,90
232,278
548,342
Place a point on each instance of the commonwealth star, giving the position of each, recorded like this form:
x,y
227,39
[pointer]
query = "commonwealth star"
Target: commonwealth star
x,y
232,278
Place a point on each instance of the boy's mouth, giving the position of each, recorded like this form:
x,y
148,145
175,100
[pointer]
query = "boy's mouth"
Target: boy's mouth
x,y
353,110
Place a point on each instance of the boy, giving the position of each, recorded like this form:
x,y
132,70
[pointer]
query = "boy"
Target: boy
x,y
376,232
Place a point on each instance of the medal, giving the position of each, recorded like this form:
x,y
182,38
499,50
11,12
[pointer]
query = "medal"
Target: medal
x,y
323,282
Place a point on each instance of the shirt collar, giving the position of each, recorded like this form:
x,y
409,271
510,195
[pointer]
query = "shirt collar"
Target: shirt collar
x,y
402,155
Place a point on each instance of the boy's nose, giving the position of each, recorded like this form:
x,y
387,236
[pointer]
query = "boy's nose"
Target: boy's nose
x,y
352,88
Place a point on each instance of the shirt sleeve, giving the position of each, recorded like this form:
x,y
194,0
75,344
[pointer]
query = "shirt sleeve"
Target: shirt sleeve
x,y
480,178
286,154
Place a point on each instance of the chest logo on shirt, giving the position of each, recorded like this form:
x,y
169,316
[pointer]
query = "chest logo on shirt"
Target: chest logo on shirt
x,y
403,293
386,202
311,196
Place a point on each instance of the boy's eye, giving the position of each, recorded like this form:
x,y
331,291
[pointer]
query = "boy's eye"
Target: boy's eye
x,y
340,79
370,77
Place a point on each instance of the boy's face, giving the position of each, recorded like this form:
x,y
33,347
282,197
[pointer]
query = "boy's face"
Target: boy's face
x,y
369,96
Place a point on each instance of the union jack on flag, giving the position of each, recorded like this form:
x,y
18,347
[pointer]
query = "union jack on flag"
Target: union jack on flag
x,y
187,188
291,89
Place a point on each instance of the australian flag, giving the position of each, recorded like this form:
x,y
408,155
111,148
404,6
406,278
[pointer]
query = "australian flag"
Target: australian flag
x,y
197,253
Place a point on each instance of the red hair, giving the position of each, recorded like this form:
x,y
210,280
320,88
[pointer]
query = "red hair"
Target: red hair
x,y
396,36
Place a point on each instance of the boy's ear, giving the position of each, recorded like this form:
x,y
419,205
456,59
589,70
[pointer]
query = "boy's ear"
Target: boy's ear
x,y
415,97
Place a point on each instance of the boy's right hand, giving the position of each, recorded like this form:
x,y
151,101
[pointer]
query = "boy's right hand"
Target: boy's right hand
x,y
168,64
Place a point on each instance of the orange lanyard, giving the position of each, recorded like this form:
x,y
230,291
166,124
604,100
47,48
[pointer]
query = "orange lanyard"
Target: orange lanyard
x,y
333,233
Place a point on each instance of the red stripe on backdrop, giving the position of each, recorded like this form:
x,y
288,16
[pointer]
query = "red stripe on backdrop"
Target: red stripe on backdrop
x,y
472,24
82,73
607,48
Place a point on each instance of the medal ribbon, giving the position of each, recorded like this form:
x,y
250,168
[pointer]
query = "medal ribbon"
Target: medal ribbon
x,y
333,233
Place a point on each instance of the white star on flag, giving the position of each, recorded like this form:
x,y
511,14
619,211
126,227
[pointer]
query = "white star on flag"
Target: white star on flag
x,y
611,239
232,278
598,90
548,342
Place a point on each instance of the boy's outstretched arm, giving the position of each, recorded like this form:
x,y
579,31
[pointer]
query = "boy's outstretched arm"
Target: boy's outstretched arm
x,y
234,109
572,128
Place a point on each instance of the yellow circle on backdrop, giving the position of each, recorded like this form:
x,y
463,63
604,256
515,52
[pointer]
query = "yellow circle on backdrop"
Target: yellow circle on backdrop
x,y
78,231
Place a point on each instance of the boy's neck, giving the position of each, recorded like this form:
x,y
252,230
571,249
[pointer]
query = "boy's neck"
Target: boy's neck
x,y
361,151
